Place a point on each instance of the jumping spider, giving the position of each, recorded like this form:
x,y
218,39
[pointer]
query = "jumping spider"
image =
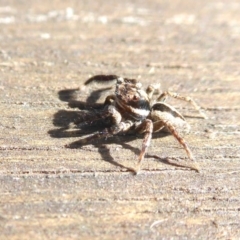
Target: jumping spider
x,y
132,110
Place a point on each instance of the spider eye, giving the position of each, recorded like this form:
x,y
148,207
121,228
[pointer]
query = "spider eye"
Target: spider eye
x,y
135,97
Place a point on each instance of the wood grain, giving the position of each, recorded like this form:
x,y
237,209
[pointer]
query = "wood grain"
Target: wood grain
x,y
49,191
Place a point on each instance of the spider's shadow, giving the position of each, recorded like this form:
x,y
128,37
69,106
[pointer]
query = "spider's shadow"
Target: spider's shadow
x,y
63,119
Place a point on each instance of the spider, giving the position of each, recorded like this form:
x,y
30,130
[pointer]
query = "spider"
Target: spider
x,y
131,109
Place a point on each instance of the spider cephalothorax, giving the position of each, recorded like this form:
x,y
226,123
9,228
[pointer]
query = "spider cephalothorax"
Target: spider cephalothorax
x,y
130,109
131,100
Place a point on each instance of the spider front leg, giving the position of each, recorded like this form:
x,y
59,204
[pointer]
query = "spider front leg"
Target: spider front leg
x,y
117,127
152,89
93,117
107,132
164,95
109,99
147,127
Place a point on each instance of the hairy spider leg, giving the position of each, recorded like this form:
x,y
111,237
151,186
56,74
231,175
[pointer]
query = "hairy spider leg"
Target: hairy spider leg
x,y
97,112
164,95
89,118
108,132
152,89
109,99
158,125
147,127
118,126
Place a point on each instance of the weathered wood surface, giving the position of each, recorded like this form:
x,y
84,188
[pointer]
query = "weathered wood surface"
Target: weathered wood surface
x,y
48,191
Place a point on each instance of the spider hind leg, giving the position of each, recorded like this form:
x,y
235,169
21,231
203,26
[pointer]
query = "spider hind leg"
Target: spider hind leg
x,y
164,95
165,116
